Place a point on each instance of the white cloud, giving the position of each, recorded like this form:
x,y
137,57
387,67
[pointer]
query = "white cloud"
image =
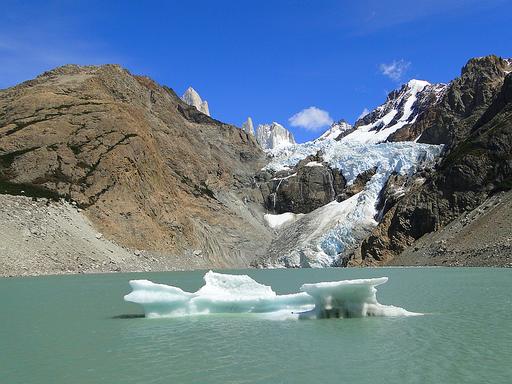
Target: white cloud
x,y
395,70
311,118
364,113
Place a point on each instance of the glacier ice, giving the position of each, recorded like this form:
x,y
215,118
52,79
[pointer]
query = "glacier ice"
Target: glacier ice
x,y
349,298
223,293
317,238
354,158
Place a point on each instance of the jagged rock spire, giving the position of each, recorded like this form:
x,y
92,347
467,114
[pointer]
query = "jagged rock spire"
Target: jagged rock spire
x,y
191,97
248,126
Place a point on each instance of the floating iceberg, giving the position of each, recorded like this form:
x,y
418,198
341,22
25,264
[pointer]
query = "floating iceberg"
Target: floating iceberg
x,y
224,293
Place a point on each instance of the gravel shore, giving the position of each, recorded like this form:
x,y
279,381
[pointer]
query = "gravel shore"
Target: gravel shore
x,y
40,237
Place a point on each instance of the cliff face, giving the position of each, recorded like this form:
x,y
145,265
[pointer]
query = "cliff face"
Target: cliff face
x,y
448,118
474,120
150,171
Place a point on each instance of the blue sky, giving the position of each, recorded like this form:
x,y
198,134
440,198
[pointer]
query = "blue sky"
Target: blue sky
x,y
266,59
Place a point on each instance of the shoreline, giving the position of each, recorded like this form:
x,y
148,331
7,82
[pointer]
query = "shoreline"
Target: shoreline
x,y
42,237
64,274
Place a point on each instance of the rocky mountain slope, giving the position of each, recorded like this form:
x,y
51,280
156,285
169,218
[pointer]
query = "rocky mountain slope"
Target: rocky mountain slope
x,y
474,121
150,171
480,237
425,178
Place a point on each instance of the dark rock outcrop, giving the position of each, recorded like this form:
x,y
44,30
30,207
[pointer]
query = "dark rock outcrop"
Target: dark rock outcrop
x,y
358,184
450,119
308,186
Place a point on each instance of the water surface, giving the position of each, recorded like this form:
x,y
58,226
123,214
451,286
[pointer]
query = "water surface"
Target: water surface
x,y
77,329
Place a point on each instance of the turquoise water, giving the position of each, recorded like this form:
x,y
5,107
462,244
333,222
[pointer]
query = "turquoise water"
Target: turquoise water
x,y
77,329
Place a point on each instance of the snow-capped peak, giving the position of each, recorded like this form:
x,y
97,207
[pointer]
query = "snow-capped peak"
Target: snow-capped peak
x,y
418,84
191,97
402,107
273,135
336,131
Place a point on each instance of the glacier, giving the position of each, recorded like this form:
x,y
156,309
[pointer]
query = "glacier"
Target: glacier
x,y
224,293
319,238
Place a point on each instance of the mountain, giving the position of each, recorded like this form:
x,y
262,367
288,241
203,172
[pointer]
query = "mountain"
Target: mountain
x,y
473,119
248,127
273,136
191,97
431,160
148,170
337,131
402,107
424,179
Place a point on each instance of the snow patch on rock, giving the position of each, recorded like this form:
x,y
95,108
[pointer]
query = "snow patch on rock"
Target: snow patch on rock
x,y
276,221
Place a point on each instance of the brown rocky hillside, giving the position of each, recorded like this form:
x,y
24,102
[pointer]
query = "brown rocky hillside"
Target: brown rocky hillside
x,y
150,171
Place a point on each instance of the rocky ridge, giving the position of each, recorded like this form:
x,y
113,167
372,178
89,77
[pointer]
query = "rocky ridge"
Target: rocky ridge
x,y
148,170
473,119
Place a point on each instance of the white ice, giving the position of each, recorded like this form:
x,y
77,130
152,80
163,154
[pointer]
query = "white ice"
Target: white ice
x,y
277,221
349,298
223,293
355,158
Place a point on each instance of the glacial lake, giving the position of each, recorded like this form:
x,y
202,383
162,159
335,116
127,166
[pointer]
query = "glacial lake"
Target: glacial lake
x,y
77,329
